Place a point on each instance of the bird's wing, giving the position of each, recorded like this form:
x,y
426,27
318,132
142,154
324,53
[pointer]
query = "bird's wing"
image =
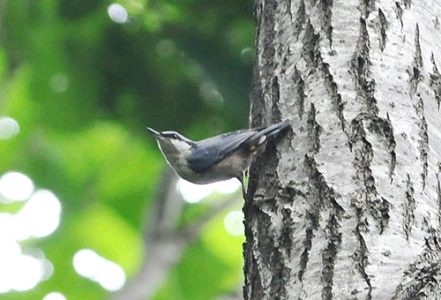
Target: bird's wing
x,y
219,147
216,149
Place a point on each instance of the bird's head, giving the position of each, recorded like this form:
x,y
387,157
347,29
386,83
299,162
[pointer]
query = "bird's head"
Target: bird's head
x,y
171,142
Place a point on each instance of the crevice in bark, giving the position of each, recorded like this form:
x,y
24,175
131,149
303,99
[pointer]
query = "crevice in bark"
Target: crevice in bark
x,y
318,187
399,12
320,195
382,128
261,236
325,15
259,250
388,133
264,54
307,243
360,61
360,69
270,249
280,271
263,175
361,253
300,19
268,50
275,94
377,206
366,7
310,51
254,247
312,56
282,254
253,280
407,3
409,207
299,92
438,193
286,232
427,225
416,69
314,130
424,138
435,81
421,279
329,254
365,85
288,193
332,89
383,26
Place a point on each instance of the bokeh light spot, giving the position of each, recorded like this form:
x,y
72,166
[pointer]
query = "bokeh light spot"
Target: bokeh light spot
x,y
20,270
59,83
16,186
233,223
8,128
211,94
247,55
9,251
108,274
166,48
194,193
54,296
117,13
47,268
38,218
25,273
227,186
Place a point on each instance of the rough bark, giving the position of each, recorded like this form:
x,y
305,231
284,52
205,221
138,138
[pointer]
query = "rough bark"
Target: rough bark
x,y
348,204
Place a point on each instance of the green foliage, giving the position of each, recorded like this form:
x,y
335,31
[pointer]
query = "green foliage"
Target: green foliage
x,y
83,89
212,266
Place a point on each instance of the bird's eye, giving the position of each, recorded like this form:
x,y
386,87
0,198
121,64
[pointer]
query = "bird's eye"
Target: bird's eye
x,y
175,136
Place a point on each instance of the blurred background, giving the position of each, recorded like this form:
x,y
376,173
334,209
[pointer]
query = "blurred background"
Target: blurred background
x,y
88,206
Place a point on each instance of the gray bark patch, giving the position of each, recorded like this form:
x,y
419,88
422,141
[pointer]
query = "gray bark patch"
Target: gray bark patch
x,y
325,15
421,279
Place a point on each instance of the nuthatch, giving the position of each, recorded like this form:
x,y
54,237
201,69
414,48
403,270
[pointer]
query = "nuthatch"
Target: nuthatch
x,y
214,159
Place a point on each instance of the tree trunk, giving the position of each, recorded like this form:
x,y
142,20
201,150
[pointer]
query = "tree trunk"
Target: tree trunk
x,y
347,205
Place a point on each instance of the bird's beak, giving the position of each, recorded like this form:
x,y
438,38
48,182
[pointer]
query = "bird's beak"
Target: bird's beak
x,y
154,132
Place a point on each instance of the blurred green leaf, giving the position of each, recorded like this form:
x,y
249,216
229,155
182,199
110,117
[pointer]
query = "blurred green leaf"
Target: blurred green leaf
x,y
104,231
83,89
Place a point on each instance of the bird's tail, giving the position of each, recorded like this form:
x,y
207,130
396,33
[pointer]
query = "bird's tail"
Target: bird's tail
x,y
273,129
260,136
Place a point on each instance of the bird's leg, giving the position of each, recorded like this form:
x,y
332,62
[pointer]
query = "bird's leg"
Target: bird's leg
x,y
244,183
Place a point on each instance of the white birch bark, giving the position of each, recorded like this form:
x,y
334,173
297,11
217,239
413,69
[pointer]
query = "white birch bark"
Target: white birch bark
x,y
347,205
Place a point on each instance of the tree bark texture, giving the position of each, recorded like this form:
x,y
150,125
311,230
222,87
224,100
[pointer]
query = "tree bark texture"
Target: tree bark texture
x,y
348,204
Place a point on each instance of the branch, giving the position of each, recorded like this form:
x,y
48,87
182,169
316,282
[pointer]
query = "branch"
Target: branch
x,y
164,241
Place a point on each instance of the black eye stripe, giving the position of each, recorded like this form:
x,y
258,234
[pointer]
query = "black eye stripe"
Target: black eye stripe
x,y
170,135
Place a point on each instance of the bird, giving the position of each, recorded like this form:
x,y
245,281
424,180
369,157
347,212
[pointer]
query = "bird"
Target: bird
x,y
217,158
